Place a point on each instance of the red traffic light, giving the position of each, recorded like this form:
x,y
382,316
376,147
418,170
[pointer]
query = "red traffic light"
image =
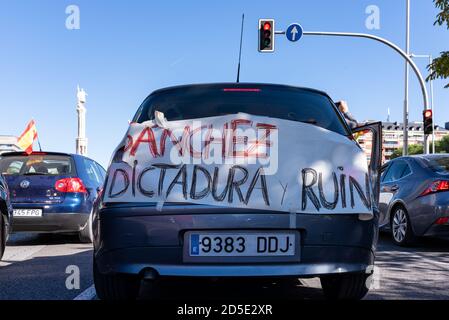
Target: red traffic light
x,y
428,121
266,35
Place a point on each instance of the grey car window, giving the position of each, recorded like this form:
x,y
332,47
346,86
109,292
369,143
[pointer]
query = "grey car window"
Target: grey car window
x,y
384,171
397,170
406,171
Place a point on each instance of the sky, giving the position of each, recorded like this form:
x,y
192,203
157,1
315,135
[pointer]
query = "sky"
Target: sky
x,y
124,50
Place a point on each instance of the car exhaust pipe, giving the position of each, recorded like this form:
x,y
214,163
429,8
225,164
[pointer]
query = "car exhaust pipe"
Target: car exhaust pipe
x,y
149,274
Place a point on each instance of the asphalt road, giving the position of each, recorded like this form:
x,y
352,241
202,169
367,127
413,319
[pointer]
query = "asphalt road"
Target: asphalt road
x,y
36,267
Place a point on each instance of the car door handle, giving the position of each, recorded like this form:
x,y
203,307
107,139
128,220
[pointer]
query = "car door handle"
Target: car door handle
x,y
394,188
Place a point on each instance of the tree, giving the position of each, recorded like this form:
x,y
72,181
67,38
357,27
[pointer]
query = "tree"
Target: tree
x,y
442,146
412,149
439,68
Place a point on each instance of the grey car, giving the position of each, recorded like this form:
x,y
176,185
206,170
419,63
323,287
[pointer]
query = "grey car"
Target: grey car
x,y
414,197
135,242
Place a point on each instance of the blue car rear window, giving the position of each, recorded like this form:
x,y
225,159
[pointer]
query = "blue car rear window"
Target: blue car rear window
x,y
51,165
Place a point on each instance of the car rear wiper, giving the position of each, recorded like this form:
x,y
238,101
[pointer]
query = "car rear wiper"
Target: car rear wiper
x,y
34,174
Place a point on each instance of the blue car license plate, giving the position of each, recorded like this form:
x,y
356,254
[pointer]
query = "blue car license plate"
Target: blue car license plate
x,y
241,244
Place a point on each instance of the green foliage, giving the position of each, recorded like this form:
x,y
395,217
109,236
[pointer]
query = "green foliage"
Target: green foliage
x,y
412,149
439,68
443,16
441,146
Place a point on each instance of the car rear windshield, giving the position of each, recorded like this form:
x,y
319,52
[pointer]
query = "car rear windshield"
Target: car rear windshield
x,y
294,104
439,164
48,165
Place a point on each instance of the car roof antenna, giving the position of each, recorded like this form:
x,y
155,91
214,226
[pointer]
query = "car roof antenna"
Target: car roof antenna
x,y
240,51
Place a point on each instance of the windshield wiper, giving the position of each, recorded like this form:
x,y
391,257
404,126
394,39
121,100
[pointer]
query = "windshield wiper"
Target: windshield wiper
x,y
34,174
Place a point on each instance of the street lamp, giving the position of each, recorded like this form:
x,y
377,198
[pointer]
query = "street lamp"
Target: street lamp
x,y
428,56
393,46
407,70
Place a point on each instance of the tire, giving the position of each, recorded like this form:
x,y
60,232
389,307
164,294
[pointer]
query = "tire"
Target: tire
x,y
86,235
115,286
401,229
350,286
2,236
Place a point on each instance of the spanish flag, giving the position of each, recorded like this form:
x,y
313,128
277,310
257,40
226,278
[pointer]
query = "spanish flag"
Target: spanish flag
x,y
26,140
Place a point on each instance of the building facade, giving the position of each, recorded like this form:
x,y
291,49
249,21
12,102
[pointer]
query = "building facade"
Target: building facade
x,y
8,144
393,133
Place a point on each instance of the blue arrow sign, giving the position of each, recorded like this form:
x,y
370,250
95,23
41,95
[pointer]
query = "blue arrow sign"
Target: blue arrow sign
x,y
294,32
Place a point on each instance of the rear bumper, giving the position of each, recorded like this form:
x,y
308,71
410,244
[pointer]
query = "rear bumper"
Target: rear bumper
x,y
68,216
425,211
168,262
51,223
134,240
438,231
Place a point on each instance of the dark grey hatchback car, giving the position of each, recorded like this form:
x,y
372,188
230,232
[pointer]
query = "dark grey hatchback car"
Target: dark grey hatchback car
x,y
135,242
414,197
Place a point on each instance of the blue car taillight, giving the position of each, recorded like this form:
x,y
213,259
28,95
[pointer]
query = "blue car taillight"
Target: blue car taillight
x,y
70,185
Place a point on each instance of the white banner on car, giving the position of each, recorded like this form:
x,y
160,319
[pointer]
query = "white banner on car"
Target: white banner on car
x,y
242,161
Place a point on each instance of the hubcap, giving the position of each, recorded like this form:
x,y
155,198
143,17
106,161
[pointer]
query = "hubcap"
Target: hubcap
x,y
399,225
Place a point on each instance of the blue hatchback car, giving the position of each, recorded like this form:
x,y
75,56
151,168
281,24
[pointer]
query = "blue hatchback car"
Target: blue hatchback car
x,y
52,192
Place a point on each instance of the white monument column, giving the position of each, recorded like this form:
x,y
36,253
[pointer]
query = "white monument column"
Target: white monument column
x,y
81,140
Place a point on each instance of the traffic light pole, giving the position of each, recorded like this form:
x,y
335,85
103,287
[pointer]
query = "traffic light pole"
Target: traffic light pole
x,y
406,92
392,46
432,102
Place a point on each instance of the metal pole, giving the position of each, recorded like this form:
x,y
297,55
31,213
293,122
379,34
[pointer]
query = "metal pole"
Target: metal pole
x,y
388,43
406,108
432,106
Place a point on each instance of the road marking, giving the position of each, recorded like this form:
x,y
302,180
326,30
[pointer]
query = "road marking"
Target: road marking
x,y
88,294
18,254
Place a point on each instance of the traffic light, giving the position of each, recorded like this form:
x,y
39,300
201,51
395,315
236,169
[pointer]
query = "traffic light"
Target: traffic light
x,y
266,35
428,121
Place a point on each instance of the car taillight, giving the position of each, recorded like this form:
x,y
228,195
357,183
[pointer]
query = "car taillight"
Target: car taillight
x,y
443,220
70,185
437,186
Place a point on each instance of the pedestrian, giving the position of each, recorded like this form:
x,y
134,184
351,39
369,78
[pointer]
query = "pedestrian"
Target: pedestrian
x,y
350,120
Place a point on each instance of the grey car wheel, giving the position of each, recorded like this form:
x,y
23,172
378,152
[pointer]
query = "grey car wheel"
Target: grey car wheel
x,y
401,228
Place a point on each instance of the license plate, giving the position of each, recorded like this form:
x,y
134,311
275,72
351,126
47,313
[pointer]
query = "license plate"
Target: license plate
x,y
27,213
241,244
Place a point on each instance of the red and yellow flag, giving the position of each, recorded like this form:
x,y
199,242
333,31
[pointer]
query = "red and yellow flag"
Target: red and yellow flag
x,y
26,140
